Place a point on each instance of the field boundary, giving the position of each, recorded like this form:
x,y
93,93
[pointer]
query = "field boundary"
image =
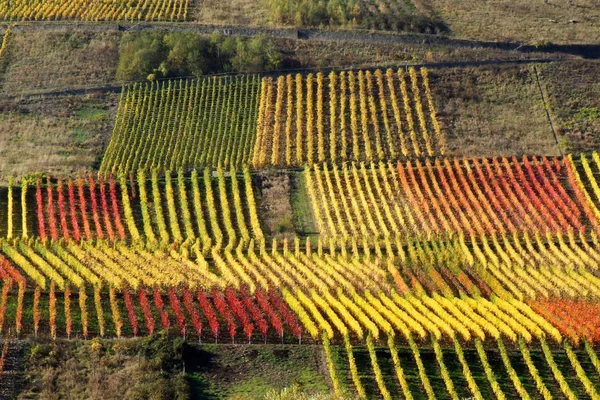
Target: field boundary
x,y
547,109
117,86
381,37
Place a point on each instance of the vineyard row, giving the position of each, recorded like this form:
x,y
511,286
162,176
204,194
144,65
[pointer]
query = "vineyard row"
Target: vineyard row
x,y
427,290
445,197
291,120
89,10
166,209
189,124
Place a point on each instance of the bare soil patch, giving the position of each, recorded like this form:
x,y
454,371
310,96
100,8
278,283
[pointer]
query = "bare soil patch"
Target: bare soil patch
x,y
492,111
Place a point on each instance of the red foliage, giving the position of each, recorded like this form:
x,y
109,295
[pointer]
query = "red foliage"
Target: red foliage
x,y
532,208
557,165
573,318
419,203
73,209
176,306
240,312
263,302
546,208
3,273
130,311
210,314
52,307
62,213
95,215
7,285
160,306
502,205
287,314
491,199
19,315
115,207
188,301
145,304
36,309
545,169
40,210
255,312
106,212
550,195
83,209
7,271
225,312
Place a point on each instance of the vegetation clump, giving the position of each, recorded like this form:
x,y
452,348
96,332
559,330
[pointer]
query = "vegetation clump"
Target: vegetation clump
x,y
157,55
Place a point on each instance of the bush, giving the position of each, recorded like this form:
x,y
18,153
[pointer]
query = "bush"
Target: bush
x,y
157,55
144,368
255,55
140,55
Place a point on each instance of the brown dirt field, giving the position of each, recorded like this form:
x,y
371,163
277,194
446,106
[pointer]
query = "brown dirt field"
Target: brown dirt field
x,y
305,54
37,61
275,208
572,93
492,111
532,21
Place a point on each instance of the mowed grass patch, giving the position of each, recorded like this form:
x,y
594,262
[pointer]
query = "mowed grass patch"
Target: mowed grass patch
x,y
304,220
251,371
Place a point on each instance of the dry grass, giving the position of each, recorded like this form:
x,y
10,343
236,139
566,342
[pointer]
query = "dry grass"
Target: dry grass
x,y
102,369
490,111
62,135
572,93
302,53
230,12
275,206
54,60
531,21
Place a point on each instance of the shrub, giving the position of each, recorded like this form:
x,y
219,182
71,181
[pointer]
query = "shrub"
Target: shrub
x,y
157,55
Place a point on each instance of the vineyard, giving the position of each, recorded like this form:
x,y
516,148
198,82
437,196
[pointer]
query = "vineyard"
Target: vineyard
x,y
86,10
422,275
190,124
440,297
425,290
449,196
285,121
361,116
401,15
218,210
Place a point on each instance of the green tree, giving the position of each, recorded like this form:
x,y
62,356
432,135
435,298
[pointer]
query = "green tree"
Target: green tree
x,y
140,55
